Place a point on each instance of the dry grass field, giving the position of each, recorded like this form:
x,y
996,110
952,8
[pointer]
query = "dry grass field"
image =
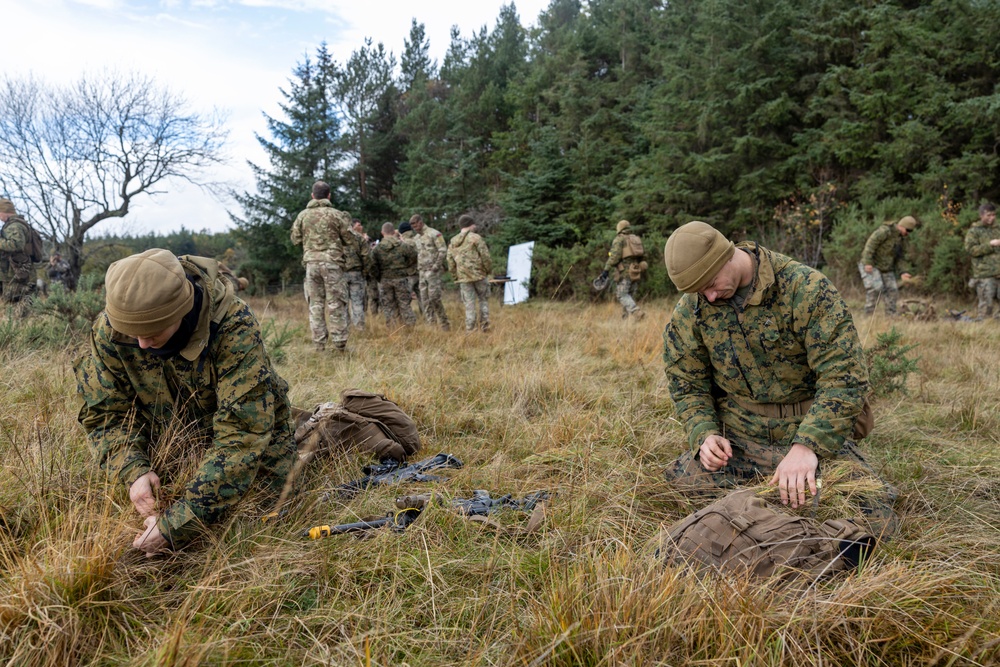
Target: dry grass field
x,y
565,397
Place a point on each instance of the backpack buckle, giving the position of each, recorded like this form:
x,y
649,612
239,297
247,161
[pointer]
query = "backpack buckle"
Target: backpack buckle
x,y
741,523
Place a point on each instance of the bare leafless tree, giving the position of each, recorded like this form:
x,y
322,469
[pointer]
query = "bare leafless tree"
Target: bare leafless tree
x,y
74,156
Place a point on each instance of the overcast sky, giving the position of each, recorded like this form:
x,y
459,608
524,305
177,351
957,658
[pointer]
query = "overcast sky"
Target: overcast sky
x,y
230,55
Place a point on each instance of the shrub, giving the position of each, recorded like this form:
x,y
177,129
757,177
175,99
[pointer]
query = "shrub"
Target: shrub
x,y
888,365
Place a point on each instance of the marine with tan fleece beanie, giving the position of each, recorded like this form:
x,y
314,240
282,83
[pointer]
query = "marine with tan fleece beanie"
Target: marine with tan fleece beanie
x,y
177,371
17,273
766,372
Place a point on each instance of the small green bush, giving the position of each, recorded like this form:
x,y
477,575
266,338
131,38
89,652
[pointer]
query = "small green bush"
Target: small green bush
x,y
888,365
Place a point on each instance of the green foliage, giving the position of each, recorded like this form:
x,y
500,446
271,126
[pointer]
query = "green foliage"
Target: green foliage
x,y
76,310
888,363
276,339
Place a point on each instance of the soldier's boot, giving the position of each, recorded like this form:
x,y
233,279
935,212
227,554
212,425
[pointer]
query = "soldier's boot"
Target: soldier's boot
x,y
639,315
445,326
319,347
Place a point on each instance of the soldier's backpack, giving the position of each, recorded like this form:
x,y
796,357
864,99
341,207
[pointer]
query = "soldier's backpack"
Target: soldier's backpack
x,y
739,534
33,247
633,247
362,420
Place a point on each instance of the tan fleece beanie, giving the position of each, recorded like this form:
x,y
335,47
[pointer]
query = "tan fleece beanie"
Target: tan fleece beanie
x,y
694,254
147,293
622,224
6,206
908,222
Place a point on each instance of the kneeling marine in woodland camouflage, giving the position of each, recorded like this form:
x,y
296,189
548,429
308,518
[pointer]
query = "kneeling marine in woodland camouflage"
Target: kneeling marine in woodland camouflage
x,y
176,381
766,372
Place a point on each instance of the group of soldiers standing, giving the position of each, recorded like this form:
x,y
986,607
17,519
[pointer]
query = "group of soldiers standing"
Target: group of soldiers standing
x,y
345,271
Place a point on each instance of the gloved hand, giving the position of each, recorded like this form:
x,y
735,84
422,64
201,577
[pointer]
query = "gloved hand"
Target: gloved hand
x,y
604,275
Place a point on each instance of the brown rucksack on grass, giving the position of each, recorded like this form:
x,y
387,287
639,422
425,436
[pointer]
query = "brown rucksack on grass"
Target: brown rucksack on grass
x,y
739,534
361,420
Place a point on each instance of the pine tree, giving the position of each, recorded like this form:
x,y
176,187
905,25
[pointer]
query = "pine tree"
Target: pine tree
x,y
304,148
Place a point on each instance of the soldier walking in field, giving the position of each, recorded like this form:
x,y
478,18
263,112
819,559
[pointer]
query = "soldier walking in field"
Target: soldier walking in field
x,y
17,273
392,264
432,254
323,232
880,262
766,372
982,244
470,263
625,257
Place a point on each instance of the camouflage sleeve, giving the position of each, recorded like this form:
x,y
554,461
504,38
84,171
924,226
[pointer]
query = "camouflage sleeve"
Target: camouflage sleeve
x,y
689,374
14,238
442,249
484,255
452,264
615,253
977,244
242,428
376,265
872,245
297,229
835,355
366,257
117,440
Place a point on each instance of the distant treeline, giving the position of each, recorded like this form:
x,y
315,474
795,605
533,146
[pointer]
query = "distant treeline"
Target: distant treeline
x,y
773,119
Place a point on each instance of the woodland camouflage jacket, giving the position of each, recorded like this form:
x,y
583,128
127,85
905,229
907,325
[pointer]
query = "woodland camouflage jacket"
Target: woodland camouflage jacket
x,y
794,340
468,258
323,231
219,391
615,253
884,248
13,241
357,254
985,258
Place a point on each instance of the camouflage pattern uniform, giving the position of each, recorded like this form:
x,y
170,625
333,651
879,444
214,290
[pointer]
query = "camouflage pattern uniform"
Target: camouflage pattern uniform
x,y
624,285
409,239
393,262
883,251
220,391
432,253
792,347
470,263
323,231
357,265
985,267
17,273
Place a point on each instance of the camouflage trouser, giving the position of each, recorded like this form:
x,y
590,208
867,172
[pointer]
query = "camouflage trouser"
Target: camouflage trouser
x,y
18,295
374,295
355,283
759,445
326,295
879,284
986,292
430,298
395,297
475,296
624,291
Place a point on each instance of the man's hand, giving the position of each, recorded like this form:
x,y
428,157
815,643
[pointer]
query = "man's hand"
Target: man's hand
x,y
906,276
869,268
142,493
796,471
995,242
604,275
714,453
151,540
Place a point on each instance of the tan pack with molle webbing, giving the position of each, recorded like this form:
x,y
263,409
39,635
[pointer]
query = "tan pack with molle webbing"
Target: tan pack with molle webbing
x,y
740,534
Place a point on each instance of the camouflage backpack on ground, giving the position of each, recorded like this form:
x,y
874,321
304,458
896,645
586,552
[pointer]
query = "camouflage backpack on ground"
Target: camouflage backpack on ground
x,y
739,534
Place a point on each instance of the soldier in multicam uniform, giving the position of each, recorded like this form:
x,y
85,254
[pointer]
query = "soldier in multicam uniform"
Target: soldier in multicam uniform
x,y
470,263
371,285
628,265
407,236
880,261
177,352
392,264
17,274
432,253
982,243
765,369
323,231
357,265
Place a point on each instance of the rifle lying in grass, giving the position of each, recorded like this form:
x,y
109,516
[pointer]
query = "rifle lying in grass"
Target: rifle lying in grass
x,y
394,472
410,507
408,511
